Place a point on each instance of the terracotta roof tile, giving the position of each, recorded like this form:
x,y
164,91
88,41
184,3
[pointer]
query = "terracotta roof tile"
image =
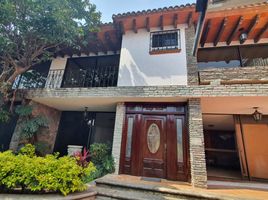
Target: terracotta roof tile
x,y
149,11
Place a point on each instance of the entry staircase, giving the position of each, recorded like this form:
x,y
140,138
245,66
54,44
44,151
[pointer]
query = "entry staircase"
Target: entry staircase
x,y
112,187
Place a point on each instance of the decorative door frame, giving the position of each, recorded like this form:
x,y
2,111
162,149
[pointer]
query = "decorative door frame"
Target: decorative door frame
x,y
130,146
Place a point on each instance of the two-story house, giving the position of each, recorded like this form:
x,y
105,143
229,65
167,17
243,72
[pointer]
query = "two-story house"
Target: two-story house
x,y
166,112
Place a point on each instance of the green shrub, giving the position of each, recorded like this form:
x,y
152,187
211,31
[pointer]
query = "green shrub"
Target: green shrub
x,y
100,156
41,148
42,174
28,150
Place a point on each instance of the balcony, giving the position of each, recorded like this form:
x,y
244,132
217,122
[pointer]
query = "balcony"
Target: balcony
x,y
34,78
233,65
86,72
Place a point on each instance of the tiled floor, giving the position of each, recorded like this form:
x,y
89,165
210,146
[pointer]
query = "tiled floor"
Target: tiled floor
x,y
224,173
235,190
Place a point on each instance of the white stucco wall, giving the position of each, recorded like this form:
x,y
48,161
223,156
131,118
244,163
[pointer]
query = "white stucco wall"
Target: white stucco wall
x,y
139,68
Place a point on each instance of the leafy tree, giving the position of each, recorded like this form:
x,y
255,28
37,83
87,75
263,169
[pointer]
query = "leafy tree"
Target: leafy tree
x,y
31,31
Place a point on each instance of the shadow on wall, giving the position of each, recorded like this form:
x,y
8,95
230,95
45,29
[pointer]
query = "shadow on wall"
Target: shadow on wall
x,y
139,70
129,75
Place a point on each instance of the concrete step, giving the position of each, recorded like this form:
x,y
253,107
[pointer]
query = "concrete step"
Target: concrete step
x,y
116,189
112,194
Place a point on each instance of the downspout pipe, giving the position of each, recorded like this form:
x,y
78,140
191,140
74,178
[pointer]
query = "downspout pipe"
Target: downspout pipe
x,y
201,7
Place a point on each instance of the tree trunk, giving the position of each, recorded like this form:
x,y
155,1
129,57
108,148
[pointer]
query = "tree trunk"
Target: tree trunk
x,y
18,71
3,76
13,77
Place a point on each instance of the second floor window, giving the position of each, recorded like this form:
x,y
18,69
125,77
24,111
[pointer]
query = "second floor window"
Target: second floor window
x,y
165,40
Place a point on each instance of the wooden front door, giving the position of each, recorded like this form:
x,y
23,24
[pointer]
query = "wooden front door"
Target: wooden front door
x,y
155,142
153,146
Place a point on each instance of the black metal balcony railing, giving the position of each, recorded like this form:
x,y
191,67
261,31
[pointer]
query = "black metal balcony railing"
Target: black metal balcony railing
x,y
101,72
101,77
35,77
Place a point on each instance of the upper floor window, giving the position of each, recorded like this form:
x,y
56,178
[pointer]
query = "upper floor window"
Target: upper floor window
x,y
165,41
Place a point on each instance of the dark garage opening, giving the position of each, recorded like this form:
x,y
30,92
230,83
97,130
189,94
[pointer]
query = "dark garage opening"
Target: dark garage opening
x,y
74,130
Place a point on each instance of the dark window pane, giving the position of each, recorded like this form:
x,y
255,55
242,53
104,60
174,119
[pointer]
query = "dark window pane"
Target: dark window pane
x,y
161,40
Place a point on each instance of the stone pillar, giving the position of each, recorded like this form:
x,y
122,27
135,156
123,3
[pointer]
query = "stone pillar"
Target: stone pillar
x,y
118,130
197,146
192,68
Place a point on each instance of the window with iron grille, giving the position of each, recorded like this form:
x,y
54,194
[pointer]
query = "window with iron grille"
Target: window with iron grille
x,y
165,40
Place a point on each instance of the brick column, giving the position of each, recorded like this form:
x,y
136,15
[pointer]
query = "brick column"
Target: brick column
x,y
197,146
46,135
118,129
192,69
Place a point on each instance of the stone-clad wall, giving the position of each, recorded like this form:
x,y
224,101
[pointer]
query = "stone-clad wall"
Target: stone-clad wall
x,y
129,92
197,146
118,130
192,69
45,135
237,74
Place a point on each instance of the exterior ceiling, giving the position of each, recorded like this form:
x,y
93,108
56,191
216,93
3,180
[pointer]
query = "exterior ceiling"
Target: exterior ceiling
x,y
224,27
96,104
107,39
229,4
234,105
218,122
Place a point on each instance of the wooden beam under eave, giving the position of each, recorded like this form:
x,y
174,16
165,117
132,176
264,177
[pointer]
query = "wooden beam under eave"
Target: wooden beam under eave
x,y
220,31
101,47
122,28
234,31
205,33
134,26
147,24
109,41
262,31
253,23
189,20
161,22
175,21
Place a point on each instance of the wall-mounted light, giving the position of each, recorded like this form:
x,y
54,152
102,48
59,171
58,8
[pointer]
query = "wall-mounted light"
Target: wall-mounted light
x,y
257,115
243,37
86,118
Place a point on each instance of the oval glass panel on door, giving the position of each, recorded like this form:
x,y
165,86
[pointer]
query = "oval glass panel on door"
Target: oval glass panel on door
x,y
153,138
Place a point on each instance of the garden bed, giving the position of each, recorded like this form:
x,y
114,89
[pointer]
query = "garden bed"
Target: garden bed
x,y
27,173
